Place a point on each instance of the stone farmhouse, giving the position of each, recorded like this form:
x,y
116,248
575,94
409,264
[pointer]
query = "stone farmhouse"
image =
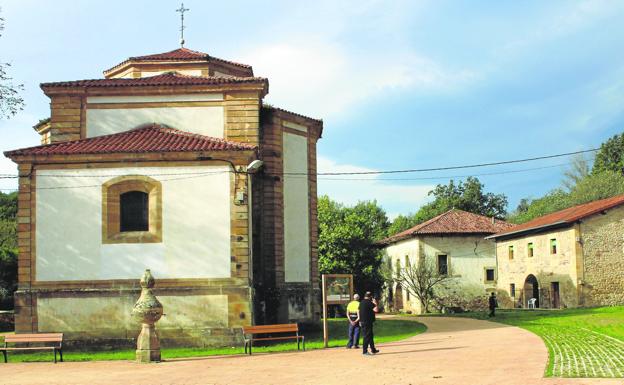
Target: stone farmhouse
x,y
573,257
454,242
147,168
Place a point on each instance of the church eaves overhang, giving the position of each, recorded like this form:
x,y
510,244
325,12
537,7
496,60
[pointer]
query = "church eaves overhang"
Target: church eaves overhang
x,y
153,138
169,79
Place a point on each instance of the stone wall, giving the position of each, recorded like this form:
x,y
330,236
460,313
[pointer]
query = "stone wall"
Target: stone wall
x,y
560,267
603,252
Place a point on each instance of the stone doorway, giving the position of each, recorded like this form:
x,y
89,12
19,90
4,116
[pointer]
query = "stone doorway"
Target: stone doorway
x,y
398,298
531,290
554,292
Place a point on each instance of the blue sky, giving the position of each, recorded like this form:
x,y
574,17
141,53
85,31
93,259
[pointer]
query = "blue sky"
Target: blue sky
x,y
400,84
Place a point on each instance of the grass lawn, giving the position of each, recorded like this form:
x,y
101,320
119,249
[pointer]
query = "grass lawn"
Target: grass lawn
x,y
581,342
386,330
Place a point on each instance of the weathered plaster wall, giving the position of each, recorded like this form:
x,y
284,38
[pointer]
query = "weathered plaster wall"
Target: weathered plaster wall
x,y
195,218
204,120
468,257
603,252
111,316
546,267
296,209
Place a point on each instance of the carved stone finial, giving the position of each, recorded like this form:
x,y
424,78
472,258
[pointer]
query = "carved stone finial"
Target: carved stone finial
x,y
147,311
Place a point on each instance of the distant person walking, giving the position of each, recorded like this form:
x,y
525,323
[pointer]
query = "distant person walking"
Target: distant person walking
x,y
366,314
493,304
354,322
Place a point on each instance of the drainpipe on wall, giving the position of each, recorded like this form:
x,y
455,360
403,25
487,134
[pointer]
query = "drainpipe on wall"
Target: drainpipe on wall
x,y
580,260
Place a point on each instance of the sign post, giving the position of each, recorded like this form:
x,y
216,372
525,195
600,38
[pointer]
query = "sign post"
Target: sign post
x,y
337,290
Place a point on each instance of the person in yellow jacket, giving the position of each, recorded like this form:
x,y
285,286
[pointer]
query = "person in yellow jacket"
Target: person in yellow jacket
x,y
354,322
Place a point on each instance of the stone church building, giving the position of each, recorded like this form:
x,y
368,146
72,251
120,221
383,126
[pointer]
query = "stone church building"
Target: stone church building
x,y
147,168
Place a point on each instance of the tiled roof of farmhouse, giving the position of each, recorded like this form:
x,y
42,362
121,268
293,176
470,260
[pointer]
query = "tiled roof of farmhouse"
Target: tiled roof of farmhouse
x,y
564,217
152,138
452,222
179,54
166,79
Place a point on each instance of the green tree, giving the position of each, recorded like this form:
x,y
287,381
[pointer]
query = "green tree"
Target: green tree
x,y
347,237
610,156
468,196
592,187
8,277
8,249
402,223
10,101
553,201
596,186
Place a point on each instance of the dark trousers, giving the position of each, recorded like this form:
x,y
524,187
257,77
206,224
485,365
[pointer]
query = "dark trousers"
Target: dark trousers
x,y
492,312
354,335
367,337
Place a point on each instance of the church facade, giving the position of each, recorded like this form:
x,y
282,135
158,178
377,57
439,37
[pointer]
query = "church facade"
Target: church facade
x,y
147,168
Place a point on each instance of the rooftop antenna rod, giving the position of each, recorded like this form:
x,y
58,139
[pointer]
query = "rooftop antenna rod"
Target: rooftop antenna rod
x,y
182,27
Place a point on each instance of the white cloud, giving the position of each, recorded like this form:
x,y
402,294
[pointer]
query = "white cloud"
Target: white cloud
x,y
394,198
324,79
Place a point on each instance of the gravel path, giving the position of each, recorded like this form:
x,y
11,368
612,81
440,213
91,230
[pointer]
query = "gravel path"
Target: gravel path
x,y
452,351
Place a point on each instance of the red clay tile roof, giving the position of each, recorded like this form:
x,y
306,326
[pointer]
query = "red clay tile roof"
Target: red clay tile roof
x,y
176,54
452,222
180,54
152,138
166,79
564,217
269,107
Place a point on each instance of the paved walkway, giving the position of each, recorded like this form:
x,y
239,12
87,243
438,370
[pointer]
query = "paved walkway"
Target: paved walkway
x,y
452,351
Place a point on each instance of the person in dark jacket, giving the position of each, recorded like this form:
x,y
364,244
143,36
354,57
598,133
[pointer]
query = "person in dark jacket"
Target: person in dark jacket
x,y
366,314
493,304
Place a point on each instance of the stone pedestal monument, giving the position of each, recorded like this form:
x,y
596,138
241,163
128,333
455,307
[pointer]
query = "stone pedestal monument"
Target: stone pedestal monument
x,y
148,311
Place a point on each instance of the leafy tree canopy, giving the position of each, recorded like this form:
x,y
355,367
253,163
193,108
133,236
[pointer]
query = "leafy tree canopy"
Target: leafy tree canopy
x,y
346,241
466,195
592,187
610,156
579,185
10,101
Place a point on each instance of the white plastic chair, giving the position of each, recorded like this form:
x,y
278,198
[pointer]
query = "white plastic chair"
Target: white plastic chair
x,y
531,303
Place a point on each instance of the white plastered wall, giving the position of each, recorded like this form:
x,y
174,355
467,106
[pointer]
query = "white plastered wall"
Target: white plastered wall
x,y
468,257
203,120
296,209
195,220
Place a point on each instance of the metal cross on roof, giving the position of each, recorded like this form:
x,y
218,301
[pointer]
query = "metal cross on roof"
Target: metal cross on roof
x,y
182,27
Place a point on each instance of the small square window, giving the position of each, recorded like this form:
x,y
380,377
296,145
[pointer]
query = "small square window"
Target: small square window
x,y
489,275
530,249
512,289
511,252
553,246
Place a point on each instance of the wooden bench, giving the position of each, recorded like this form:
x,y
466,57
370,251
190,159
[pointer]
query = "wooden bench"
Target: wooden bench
x,y
269,331
39,338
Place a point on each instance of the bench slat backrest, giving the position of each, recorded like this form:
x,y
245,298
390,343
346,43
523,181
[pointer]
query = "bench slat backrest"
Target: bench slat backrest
x,y
39,337
262,329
